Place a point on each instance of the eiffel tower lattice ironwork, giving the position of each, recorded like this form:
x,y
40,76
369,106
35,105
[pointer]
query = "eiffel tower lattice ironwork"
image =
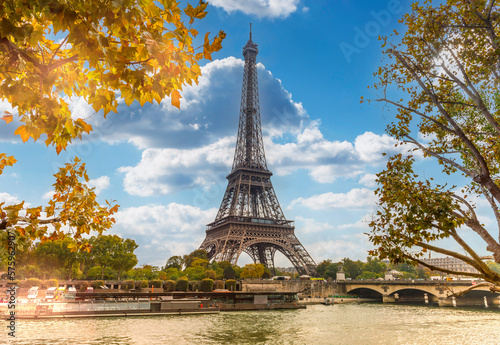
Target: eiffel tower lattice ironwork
x,y
250,218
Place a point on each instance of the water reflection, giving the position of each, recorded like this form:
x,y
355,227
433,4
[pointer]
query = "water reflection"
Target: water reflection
x,y
339,324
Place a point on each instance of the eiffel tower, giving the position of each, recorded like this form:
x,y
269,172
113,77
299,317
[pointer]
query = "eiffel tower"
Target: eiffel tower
x,y
250,218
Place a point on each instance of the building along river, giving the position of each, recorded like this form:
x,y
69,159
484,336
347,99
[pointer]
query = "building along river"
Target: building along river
x,y
358,324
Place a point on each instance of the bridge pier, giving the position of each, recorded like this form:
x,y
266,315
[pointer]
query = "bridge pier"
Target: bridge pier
x,y
388,299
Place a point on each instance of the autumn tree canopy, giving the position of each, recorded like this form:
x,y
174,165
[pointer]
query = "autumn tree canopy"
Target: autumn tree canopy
x,y
442,78
54,51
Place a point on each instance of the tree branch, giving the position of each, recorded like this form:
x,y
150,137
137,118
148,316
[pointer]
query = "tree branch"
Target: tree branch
x,y
439,124
481,266
482,178
41,221
491,31
449,253
493,288
476,97
444,159
488,15
494,207
436,268
57,50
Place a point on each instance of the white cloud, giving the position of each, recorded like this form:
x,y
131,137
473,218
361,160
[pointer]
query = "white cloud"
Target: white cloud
x,y
48,195
328,160
8,199
338,249
368,180
370,146
172,229
99,184
355,198
79,107
425,138
309,225
161,171
260,8
160,220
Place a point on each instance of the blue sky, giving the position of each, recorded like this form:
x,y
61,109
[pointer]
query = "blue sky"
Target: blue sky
x,y
167,167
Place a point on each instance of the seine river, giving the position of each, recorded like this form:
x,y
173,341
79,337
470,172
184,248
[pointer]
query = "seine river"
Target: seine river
x,y
358,324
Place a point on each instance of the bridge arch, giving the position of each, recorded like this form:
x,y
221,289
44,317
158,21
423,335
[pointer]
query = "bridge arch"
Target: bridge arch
x,y
365,292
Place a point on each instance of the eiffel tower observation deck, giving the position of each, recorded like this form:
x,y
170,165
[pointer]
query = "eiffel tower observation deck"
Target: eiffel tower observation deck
x,y
250,218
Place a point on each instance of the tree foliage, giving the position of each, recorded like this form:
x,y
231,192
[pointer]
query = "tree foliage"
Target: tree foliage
x,y
253,271
229,272
372,268
52,255
72,209
442,78
174,262
192,258
111,251
109,258
53,52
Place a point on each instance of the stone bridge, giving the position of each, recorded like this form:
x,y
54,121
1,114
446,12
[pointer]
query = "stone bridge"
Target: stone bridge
x,y
426,291
388,291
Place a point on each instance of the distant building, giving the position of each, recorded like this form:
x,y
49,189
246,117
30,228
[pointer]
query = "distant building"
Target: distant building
x,y
452,264
291,270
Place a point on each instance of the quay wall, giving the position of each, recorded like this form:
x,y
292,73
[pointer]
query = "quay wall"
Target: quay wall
x,y
304,288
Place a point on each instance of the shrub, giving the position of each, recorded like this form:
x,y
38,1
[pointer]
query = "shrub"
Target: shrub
x,y
31,282
155,283
219,284
182,284
169,285
143,284
50,283
207,285
96,284
231,284
128,285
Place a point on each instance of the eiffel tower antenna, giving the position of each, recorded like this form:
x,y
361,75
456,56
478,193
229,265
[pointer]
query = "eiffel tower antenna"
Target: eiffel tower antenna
x,y
250,218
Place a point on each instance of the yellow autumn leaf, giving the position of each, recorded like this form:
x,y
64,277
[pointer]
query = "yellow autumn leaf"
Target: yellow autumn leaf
x,y
175,97
7,118
207,47
21,131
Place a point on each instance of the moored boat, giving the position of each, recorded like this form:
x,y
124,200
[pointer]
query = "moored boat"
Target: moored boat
x,y
76,309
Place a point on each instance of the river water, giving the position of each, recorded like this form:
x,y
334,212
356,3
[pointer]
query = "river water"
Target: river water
x,y
357,324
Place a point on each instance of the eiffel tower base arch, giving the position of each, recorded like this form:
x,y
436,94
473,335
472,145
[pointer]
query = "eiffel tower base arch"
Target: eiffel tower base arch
x,y
260,242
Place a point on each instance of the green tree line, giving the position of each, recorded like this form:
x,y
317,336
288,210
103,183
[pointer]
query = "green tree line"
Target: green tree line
x,y
109,257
